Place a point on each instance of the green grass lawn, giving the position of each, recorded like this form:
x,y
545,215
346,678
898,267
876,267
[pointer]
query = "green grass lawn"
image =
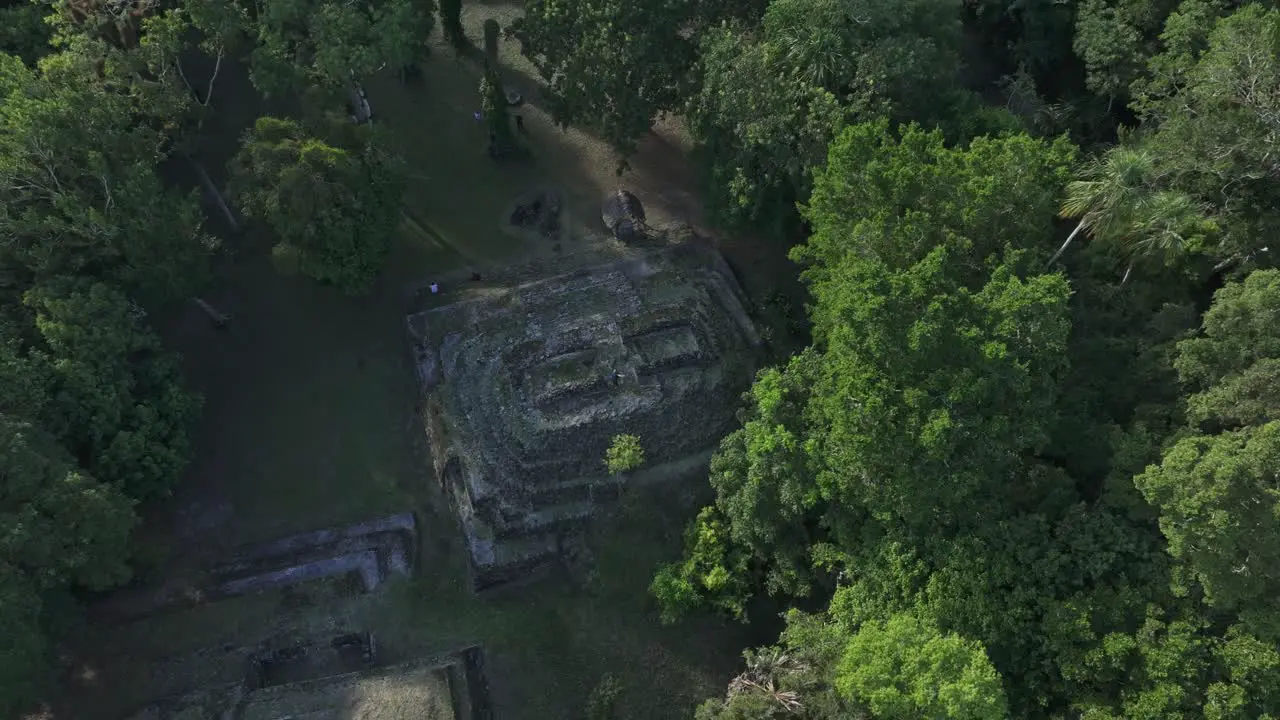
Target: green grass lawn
x,y
310,421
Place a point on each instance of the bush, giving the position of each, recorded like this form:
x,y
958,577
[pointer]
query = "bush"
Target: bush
x,y
624,455
602,704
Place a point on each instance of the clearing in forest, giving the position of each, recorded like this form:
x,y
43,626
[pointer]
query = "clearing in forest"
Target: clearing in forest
x,y
312,422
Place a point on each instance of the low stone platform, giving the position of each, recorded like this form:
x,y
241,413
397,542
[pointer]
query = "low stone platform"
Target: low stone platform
x,y
367,552
449,687
525,386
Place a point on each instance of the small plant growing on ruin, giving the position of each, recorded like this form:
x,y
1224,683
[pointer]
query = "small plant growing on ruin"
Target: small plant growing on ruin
x,y
624,454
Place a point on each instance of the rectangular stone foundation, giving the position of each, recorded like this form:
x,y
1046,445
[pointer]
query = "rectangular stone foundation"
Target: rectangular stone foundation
x,y
369,551
525,386
450,687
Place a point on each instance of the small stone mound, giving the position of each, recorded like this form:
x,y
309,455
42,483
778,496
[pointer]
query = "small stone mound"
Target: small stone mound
x,y
369,552
541,214
623,214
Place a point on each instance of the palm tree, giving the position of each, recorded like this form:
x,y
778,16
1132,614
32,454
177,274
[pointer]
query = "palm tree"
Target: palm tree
x,y
765,668
1108,192
1117,200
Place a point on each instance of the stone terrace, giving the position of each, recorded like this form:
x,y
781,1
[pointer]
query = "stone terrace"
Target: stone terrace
x,y
526,385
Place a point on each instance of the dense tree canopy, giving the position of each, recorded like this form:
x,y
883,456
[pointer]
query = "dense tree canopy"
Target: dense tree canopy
x,y
952,457
610,65
1216,488
78,187
299,42
93,418
333,208
772,97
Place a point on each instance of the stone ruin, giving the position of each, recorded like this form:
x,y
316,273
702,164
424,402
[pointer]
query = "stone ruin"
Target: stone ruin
x,y
526,386
367,552
339,679
539,214
334,673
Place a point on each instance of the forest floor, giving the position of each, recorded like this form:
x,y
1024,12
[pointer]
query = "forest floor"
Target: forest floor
x,y
310,422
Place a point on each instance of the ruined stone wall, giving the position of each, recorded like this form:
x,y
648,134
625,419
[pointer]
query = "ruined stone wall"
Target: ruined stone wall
x,y
527,384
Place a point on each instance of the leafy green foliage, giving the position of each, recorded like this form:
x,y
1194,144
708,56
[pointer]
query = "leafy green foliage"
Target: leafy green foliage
x,y
299,42
921,328
609,65
905,669
23,31
58,525
624,454
493,105
795,678
771,100
1215,115
79,188
92,416
1118,200
602,704
333,208
1115,38
115,398
1034,35
1216,488
954,458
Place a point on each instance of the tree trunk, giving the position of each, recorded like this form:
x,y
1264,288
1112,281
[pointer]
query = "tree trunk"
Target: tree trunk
x,y
1071,237
212,191
219,318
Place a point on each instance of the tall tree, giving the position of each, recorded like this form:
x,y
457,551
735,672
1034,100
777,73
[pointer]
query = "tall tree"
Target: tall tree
x,y
23,31
1118,200
333,208
771,99
1217,489
922,324
904,669
116,400
1215,120
299,42
58,525
609,65
79,188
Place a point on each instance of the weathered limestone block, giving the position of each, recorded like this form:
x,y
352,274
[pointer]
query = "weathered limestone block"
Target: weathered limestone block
x,y
315,683
370,552
526,385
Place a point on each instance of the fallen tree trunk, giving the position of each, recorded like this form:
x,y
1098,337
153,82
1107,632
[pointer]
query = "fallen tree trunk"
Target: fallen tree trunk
x,y
212,191
219,318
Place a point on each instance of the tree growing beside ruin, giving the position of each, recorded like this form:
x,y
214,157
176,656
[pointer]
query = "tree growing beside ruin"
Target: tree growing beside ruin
x,y
624,454
333,206
493,103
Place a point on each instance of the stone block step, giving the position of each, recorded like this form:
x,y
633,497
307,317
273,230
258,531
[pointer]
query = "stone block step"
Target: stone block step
x,y
546,521
576,490
515,558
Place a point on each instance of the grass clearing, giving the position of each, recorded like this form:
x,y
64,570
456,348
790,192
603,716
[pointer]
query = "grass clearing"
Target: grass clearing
x,y
310,421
